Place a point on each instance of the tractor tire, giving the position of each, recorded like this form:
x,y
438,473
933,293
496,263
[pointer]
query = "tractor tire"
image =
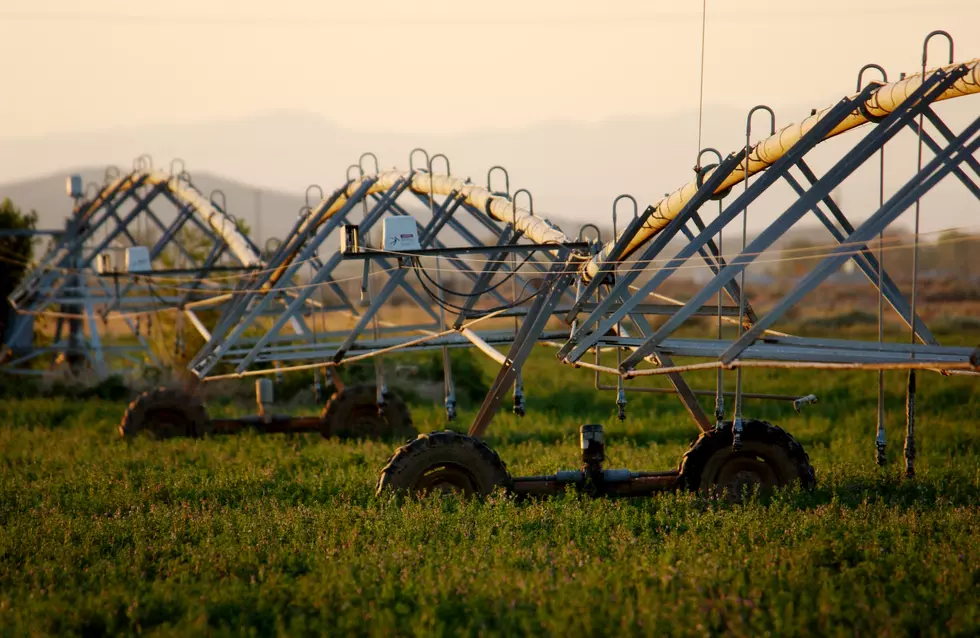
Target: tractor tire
x,y
769,458
353,414
444,462
165,413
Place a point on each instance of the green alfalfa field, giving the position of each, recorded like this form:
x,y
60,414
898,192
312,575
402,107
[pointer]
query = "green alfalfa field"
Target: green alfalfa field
x,y
277,534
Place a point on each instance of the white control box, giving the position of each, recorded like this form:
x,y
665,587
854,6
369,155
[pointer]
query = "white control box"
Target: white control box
x,y
400,234
138,259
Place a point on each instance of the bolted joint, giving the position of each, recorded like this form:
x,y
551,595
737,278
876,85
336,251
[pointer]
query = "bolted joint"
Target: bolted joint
x,y
880,457
910,456
910,426
593,455
519,406
737,434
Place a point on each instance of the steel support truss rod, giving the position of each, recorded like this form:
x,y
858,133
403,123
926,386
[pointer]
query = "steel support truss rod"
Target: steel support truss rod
x,y
239,319
878,103
541,310
884,131
954,154
585,337
67,276
227,342
581,341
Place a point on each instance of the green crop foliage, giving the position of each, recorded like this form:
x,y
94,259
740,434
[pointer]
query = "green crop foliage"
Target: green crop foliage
x,y
279,535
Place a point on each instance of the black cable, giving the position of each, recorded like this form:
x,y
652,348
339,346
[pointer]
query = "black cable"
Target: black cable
x,y
445,305
417,264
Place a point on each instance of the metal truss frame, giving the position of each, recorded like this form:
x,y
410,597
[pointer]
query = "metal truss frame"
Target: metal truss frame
x,y
608,310
67,284
609,298
242,345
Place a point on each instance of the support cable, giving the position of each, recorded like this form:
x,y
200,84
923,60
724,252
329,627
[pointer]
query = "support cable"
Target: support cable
x,y
704,19
910,390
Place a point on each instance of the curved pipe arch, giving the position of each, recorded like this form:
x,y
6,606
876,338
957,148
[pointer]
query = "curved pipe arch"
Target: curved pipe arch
x,y
763,154
220,222
497,206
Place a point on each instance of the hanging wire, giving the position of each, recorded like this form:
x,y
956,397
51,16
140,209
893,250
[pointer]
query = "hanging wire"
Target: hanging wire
x,y
880,440
437,298
704,21
785,255
457,293
742,305
808,252
910,389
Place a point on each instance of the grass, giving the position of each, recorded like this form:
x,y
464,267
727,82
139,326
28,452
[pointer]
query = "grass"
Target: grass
x,y
284,535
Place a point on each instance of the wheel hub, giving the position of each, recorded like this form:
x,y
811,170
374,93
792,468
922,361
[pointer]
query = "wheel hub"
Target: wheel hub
x,y
168,423
745,475
446,479
366,419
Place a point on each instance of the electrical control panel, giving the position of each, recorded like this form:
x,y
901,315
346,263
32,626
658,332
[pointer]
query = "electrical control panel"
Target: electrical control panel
x,y
400,234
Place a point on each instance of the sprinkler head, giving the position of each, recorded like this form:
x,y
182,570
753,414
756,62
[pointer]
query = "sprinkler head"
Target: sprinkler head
x,y
802,401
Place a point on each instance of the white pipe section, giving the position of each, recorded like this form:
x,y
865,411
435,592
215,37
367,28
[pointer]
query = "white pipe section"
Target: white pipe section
x,y
484,347
198,324
219,221
535,228
885,100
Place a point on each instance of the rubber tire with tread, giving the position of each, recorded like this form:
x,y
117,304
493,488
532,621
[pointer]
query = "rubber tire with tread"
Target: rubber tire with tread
x,y
340,415
139,416
408,466
780,451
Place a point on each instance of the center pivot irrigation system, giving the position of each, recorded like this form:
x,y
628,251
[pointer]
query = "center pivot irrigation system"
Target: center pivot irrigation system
x,y
134,245
535,285
738,454
245,341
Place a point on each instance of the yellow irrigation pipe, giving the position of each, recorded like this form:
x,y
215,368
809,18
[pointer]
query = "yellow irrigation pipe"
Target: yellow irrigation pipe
x,y
881,103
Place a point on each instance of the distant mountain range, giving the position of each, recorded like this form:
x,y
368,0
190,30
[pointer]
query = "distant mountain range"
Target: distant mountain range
x,y
574,169
47,195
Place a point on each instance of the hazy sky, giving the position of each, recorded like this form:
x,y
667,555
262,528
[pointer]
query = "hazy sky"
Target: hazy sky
x,y
442,65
